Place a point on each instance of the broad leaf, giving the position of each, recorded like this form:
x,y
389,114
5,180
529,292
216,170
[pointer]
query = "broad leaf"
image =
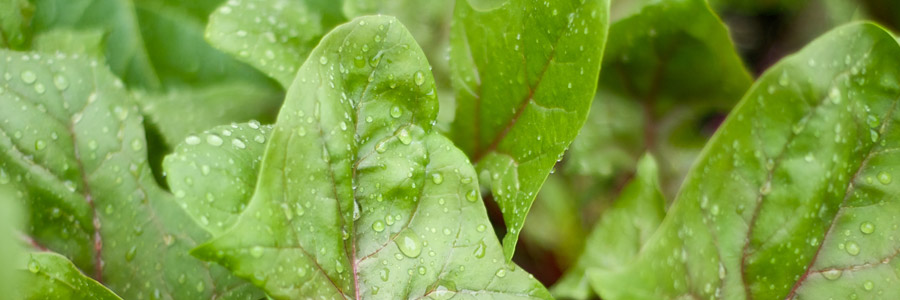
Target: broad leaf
x,y
357,196
51,276
73,138
794,196
525,73
213,174
663,75
88,42
619,234
276,46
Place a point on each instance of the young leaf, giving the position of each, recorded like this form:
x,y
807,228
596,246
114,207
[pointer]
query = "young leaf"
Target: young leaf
x,y
73,138
525,73
49,275
213,174
357,196
662,76
619,234
792,198
275,47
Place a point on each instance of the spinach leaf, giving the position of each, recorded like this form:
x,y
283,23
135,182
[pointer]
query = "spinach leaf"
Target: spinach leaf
x,y
524,73
356,195
793,197
72,137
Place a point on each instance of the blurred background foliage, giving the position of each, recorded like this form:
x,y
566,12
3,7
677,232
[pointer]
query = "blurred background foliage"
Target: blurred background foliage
x,y
159,50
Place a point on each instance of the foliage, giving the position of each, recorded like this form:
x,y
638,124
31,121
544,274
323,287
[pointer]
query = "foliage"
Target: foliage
x,y
357,149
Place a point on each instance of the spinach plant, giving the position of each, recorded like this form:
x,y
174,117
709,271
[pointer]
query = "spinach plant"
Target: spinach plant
x,y
372,149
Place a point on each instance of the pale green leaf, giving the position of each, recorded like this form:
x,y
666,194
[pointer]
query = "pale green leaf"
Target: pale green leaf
x,y
73,138
213,174
619,234
49,275
794,197
525,73
357,196
88,42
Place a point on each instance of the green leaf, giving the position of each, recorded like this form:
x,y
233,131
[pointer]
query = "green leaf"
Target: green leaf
x,y
15,15
213,174
619,234
793,197
73,138
49,275
89,42
277,46
668,66
525,73
11,221
179,113
357,196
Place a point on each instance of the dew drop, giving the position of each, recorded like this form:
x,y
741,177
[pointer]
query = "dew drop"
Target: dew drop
x,y
192,140
238,144
852,248
214,140
472,196
867,227
395,112
480,249
60,82
884,177
378,226
832,274
437,178
131,252
404,137
868,285
409,244
28,76
40,145
419,77
481,228
33,266
501,273
323,60
256,251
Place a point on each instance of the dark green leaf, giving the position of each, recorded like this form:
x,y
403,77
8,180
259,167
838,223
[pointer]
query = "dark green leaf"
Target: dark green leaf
x,y
525,73
73,138
794,196
620,233
15,15
357,196
668,67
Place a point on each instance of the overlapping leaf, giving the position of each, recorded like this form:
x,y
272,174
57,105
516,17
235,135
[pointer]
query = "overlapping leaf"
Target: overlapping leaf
x,y
524,72
278,45
72,138
617,238
663,76
794,197
357,197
